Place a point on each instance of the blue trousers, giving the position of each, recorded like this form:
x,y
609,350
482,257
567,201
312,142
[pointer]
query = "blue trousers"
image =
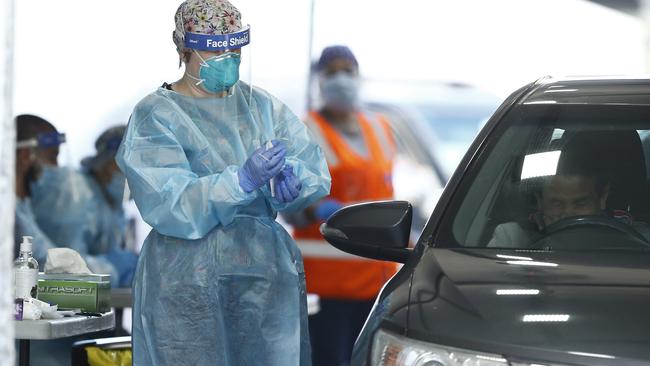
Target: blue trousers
x,y
334,329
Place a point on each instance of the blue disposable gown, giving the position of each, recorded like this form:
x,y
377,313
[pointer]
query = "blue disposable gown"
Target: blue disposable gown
x,y
72,214
219,281
106,233
107,224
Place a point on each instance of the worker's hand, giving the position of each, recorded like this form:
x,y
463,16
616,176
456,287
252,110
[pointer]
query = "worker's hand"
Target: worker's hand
x,y
261,166
325,208
287,185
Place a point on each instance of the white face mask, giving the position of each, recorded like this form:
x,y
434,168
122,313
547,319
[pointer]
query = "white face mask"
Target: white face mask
x,y
340,91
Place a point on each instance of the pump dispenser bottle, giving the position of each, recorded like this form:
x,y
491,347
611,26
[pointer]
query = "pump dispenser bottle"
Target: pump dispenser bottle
x,y
26,271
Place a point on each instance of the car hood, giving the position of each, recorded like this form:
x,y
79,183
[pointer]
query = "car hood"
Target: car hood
x,y
595,305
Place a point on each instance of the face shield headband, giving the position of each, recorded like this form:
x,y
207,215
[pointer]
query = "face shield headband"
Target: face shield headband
x,y
218,42
43,141
106,152
219,73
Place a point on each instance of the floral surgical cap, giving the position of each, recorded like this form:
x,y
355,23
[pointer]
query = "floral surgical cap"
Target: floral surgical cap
x,y
205,17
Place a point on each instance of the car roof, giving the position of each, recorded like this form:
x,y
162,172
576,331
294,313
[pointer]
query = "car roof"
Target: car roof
x,y
598,90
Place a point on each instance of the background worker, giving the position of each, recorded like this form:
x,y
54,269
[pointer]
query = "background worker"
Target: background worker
x,y
359,150
37,140
38,178
107,226
73,209
45,192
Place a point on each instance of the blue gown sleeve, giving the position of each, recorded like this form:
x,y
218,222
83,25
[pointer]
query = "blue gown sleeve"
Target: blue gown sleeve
x,y
171,198
304,155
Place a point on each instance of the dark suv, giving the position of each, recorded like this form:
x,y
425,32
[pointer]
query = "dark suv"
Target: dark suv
x,y
538,251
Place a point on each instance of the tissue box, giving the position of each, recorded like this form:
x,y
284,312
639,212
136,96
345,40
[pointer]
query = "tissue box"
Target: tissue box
x,y
88,292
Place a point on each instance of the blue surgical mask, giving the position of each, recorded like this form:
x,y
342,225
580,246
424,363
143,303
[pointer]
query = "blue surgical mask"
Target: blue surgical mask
x,y
340,91
115,187
219,73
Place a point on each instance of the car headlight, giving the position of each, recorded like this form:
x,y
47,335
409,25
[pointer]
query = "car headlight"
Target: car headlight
x,y
389,349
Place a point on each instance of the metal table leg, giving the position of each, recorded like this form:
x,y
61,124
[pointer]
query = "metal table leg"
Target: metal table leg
x,y
23,355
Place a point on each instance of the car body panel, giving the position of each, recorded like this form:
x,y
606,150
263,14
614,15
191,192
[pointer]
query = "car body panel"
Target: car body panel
x,y
585,303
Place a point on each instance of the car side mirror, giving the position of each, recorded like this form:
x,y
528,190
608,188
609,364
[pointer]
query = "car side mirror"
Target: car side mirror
x,y
377,230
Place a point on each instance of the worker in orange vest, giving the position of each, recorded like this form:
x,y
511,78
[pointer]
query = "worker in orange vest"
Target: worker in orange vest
x,y
359,149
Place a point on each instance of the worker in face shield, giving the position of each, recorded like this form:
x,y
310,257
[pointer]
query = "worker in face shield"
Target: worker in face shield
x,y
210,160
359,149
43,189
37,141
52,201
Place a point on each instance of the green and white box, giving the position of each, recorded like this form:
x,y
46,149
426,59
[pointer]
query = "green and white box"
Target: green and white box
x,y
88,292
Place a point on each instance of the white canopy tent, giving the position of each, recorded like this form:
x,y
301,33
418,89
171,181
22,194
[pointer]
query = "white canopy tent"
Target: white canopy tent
x,y
85,69
7,195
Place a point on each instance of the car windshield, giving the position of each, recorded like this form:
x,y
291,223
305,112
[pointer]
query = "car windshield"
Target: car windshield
x,y
557,176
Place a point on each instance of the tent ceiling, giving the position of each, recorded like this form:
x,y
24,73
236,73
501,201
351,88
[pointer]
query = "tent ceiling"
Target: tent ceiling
x,y
627,6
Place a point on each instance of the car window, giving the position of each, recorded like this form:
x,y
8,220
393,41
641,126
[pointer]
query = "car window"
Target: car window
x,y
645,140
557,177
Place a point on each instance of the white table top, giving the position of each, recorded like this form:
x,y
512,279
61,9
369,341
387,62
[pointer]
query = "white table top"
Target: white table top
x,y
64,327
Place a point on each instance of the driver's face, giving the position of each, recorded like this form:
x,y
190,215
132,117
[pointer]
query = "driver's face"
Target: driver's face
x,y
566,196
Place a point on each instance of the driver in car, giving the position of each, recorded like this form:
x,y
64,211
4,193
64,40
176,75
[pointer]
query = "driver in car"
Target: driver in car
x,y
577,189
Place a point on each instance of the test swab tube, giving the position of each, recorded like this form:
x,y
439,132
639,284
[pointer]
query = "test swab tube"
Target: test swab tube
x,y
269,145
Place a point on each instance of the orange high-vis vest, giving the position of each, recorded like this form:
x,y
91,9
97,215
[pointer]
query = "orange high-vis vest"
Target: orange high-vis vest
x,y
354,179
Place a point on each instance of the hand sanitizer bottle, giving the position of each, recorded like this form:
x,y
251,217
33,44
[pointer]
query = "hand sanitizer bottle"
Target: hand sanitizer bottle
x,y
26,271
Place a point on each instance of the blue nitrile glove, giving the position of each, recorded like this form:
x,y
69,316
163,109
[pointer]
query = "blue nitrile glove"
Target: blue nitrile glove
x,y
126,279
287,185
326,208
124,262
261,166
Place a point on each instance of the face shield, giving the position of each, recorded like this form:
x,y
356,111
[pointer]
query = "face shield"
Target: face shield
x,y
48,171
47,152
218,63
45,146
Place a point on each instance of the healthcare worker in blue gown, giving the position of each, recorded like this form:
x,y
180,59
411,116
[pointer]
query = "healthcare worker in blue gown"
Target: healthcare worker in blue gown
x,y
105,231
38,180
37,147
210,161
51,203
